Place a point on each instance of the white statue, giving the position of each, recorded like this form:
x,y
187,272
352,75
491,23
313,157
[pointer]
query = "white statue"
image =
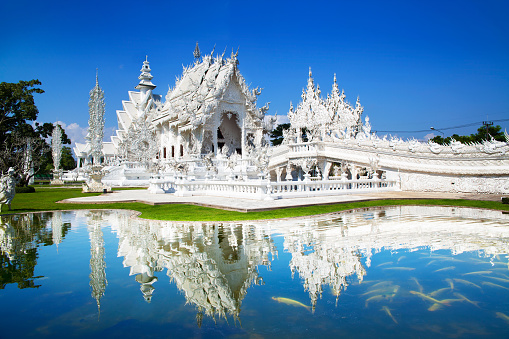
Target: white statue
x,y
8,187
56,151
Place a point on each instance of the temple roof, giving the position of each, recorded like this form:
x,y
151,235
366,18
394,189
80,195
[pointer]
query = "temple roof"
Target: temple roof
x,y
201,86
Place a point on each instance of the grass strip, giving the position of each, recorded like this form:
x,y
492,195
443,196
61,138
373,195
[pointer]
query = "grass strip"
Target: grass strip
x,y
44,199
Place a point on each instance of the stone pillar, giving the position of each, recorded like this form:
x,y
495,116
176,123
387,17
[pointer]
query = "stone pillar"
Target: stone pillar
x,y
279,171
214,139
177,148
289,172
243,141
354,170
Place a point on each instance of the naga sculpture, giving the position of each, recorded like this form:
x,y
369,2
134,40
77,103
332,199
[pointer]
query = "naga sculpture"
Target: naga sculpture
x,y
8,187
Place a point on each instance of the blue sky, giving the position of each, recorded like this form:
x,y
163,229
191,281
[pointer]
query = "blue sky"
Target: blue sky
x,y
413,64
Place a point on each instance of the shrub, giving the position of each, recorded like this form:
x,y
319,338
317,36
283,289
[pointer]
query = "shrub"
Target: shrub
x,y
25,189
505,200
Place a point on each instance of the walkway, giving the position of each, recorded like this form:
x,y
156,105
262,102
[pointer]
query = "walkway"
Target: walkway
x,y
249,205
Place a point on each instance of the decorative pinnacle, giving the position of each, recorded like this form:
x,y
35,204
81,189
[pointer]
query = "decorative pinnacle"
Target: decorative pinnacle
x,y
310,73
335,78
97,76
196,52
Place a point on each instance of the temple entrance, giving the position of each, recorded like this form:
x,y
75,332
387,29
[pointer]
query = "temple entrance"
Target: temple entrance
x,y
229,135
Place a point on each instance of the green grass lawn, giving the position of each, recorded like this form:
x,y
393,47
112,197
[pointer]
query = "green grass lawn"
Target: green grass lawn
x,y
45,198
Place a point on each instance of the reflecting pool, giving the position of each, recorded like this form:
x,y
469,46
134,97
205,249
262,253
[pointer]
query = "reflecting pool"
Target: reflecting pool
x,y
386,272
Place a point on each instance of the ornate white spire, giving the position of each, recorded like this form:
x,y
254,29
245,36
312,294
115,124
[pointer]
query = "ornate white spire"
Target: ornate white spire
x,y
196,52
96,120
145,77
56,146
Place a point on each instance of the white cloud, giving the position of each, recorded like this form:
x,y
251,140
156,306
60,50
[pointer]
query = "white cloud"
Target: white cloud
x,y
429,136
283,119
75,132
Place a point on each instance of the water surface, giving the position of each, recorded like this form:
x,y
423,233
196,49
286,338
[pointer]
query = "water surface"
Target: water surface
x,y
396,271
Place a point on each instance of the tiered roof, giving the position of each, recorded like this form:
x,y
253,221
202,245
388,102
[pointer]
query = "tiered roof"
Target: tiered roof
x,y
202,86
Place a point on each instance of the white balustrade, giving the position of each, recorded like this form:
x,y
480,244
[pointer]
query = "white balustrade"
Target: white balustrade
x,y
263,189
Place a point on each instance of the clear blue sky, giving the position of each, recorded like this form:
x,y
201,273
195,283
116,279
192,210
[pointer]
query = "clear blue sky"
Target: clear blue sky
x,y
414,64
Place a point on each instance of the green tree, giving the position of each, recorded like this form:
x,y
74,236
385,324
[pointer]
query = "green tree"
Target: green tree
x,y
276,135
67,162
23,146
482,134
17,106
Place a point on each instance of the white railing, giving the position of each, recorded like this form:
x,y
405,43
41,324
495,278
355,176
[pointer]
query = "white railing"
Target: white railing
x,y
263,189
294,189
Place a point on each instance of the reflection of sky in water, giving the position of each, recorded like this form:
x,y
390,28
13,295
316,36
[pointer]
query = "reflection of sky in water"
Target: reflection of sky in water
x,y
400,271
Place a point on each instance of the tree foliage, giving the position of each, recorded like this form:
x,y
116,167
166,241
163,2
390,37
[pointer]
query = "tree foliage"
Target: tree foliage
x,y
23,144
276,135
482,134
67,161
17,106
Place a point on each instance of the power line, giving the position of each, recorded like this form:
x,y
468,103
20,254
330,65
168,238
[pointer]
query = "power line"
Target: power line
x,y
445,128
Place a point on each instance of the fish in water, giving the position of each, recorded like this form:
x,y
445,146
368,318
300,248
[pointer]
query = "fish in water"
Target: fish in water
x,y
431,262
494,285
499,279
378,298
400,268
435,307
503,316
475,303
466,282
445,269
437,292
385,264
421,289
291,302
388,312
451,284
378,291
478,272
428,298
401,258
381,283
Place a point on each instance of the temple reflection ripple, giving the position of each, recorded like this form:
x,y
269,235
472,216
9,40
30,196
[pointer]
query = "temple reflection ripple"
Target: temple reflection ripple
x,y
215,264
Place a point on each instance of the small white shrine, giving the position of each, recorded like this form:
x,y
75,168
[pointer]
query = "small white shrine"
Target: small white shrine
x,y
208,137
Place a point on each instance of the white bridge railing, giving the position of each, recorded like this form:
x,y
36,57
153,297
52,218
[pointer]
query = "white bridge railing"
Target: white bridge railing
x,y
266,190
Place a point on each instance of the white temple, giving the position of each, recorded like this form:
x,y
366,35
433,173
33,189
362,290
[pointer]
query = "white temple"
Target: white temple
x,y
207,136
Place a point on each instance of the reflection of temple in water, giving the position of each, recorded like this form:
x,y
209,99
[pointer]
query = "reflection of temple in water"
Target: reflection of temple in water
x,y
213,264
327,250
97,275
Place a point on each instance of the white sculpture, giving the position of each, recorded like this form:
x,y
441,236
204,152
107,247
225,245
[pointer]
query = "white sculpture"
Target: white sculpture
x,y
8,187
95,137
56,152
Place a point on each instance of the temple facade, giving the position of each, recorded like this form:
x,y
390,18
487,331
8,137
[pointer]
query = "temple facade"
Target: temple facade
x,y
210,110
208,137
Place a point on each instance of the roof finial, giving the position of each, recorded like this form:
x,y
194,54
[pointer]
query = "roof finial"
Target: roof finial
x,y
97,76
310,73
335,78
196,52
